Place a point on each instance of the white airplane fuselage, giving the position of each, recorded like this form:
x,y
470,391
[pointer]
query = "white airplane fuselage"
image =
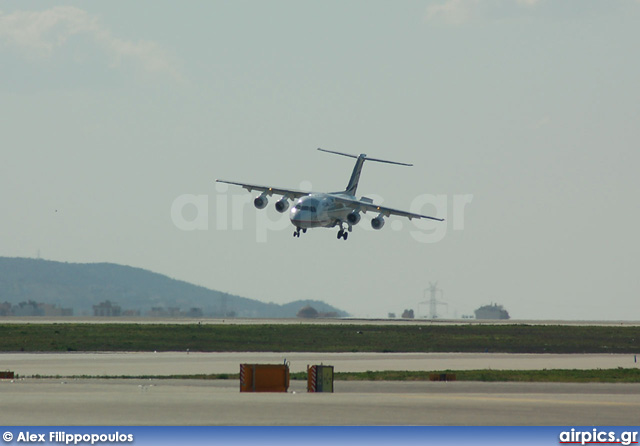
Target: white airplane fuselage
x,y
319,211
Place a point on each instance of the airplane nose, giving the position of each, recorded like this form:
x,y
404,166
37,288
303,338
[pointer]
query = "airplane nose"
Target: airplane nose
x,y
294,216
300,218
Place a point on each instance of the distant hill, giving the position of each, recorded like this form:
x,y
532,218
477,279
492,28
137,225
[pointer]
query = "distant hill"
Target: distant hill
x,y
82,285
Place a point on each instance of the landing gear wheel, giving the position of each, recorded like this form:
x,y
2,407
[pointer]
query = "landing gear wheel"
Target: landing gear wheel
x,y
340,232
345,235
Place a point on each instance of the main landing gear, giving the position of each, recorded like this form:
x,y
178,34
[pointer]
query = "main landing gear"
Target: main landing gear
x,y
296,233
342,233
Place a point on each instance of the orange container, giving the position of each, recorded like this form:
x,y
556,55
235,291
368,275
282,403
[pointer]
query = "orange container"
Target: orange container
x,y
264,377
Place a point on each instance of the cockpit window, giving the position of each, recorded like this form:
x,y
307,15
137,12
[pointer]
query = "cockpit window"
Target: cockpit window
x,y
308,204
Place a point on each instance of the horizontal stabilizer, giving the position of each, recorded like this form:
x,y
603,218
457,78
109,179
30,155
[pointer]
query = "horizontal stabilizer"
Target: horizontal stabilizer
x,y
365,157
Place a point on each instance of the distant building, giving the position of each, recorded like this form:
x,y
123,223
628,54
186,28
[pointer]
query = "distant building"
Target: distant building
x,y
158,312
107,309
53,310
30,308
328,314
5,309
194,312
174,312
308,312
408,314
27,309
33,308
493,311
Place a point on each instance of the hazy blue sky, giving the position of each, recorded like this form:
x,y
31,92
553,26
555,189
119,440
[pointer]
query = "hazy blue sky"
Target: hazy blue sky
x,y
526,113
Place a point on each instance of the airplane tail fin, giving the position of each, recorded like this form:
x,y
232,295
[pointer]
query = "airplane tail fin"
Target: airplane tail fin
x,y
355,175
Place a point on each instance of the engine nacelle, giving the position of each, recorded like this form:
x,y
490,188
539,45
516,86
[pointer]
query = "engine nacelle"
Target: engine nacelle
x,y
260,202
377,223
282,205
353,218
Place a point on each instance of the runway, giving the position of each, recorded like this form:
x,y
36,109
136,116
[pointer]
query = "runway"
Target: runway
x,y
188,363
66,401
192,402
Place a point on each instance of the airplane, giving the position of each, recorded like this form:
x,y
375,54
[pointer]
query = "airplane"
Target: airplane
x,y
327,210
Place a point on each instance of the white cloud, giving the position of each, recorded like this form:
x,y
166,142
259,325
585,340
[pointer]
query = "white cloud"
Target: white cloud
x,y
39,33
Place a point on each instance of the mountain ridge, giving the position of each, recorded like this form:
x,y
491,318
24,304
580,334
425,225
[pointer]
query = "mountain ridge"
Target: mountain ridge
x,y
83,285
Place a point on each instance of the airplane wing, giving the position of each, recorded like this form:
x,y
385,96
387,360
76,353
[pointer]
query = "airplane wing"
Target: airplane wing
x,y
365,206
290,193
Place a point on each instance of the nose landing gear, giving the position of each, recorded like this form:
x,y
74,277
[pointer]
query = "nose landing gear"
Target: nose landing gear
x,y
296,233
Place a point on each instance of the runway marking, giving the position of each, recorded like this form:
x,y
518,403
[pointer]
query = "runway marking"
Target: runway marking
x,y
526,400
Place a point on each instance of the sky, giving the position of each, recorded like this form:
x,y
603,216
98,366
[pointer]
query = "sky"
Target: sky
x,y
520,117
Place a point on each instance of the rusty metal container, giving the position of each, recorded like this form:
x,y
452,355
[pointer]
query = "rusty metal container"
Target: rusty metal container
x,y
264,377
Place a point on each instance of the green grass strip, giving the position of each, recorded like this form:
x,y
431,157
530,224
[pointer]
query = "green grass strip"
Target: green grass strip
x,y
619,375
425,338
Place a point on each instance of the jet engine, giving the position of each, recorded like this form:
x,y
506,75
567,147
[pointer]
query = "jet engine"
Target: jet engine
x,y
260,202
282,205
377,223
353,218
